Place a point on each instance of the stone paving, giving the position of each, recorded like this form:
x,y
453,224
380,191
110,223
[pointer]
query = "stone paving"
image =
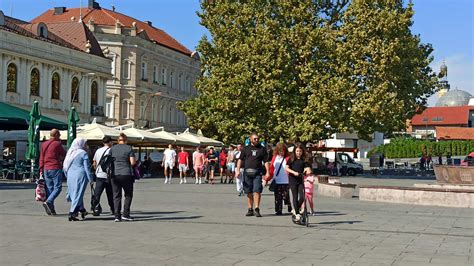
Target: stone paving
x,y
203,224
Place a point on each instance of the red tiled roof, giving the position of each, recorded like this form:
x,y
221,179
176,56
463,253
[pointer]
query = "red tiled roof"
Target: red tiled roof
x,y
102,16
441,116
72,35
455,133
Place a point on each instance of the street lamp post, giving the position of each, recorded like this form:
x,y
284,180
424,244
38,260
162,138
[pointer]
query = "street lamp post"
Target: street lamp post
x,y
146,105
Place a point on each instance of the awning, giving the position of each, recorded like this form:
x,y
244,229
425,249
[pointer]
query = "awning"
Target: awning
x,y
97,132
174,139
15,118
147,137
203,141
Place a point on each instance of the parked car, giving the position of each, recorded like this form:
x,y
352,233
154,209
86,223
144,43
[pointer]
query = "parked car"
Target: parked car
x,y
352,168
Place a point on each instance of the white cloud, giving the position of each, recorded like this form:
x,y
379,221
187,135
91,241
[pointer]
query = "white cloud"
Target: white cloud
x,y
460,74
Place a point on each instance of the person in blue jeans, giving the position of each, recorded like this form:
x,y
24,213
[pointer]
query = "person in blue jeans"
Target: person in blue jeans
x,y
51,163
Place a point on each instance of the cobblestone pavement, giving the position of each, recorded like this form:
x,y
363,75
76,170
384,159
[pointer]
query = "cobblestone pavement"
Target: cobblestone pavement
x,y
204,224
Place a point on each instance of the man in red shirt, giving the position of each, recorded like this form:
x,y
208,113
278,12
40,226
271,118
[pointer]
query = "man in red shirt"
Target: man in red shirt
x,y
51,168
183,162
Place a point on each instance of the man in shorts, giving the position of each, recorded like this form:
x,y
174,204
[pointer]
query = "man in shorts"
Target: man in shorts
x,y
198,164
169,158
239,175
212,160
183,163
255,157
230,164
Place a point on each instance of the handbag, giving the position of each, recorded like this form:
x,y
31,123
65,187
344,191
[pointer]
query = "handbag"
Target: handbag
x,y
273,184
40,191
251,173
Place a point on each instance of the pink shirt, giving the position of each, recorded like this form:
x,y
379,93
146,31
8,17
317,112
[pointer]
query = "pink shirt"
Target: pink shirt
x,y
198,158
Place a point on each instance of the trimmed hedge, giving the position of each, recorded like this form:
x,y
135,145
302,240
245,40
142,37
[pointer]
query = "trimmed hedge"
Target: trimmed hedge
x,y
413,148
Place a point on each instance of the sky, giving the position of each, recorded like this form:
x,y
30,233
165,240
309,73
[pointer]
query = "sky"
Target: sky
x,y
446,24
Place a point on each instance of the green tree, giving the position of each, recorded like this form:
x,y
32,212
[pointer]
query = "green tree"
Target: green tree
x,y
302,70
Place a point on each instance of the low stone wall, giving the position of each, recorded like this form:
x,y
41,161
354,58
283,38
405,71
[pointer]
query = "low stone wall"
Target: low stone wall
x,y
445,186
460,198
336,190
447,174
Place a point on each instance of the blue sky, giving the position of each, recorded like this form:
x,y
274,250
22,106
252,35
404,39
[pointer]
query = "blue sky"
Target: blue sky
x,y
447,24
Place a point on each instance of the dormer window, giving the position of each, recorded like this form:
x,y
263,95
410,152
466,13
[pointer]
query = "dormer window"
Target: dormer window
x,y
42,30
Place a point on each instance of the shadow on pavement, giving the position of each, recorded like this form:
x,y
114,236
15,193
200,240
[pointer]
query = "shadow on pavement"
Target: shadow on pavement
x,y
339,222
12,186
329,213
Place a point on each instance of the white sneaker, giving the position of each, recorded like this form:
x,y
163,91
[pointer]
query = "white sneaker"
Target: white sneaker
x,y
169,181
200,181
185,180
166,181
181,181
197,181
298,217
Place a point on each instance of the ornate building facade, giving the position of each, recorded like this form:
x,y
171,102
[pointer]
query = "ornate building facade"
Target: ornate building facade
x,y
150,70
36,64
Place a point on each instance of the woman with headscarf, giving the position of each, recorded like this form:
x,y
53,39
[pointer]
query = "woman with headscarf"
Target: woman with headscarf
x,y
76,167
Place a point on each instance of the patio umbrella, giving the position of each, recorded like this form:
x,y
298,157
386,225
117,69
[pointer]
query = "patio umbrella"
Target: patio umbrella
x,y
72,126
34,135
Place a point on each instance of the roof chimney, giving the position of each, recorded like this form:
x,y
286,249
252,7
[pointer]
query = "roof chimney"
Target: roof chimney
x,y
93,5
59,10
148,22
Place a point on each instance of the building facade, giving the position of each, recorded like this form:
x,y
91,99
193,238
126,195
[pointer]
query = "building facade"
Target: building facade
x,y
151,71
38,65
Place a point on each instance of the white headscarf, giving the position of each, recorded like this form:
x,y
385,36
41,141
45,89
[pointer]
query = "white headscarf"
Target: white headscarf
x,y
76,149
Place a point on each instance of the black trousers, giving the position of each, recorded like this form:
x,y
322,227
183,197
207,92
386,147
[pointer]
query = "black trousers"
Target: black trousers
x,y
100,185
124,182
281,194
296,195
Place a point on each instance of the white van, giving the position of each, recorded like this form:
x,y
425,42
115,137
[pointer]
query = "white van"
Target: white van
x,y
353,168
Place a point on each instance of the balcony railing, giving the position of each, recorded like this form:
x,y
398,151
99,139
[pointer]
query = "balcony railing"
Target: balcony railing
x,y
97,110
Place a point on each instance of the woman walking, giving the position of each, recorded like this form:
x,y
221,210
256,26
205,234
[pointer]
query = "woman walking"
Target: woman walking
x,y
76,167
297,167
279,175
124,158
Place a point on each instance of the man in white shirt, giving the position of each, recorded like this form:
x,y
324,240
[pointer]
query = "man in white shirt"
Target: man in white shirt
x,y
102,182
169,159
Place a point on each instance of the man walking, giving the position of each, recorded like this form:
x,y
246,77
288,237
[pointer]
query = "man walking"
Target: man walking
x,y
50,167
183,162
169,158
254,157
102,182
239,175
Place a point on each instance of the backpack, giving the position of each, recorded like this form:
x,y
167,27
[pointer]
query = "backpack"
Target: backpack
x,y
106,163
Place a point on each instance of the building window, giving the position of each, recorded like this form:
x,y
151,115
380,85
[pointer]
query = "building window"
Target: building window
x,y
126,69
163,76
108,108
437,119
171,79
144,72
94,94
55,86
125,109
187,84
153,111
180,81
35,82
75,90
162,113
142,108
12,75
155,74
112,64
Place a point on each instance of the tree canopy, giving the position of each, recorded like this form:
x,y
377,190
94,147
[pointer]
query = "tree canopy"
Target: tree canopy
x,y
302,70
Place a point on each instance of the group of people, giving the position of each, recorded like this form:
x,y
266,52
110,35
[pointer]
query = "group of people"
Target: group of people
x,y
79,172
252,166
205,165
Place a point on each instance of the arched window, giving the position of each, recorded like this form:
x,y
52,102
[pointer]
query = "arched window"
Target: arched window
x,y
55,86
94,94
75,90
12,75
126,69
35,82
172,79
125,109
144,74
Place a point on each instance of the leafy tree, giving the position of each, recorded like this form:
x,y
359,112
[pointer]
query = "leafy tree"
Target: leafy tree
x,y
303,70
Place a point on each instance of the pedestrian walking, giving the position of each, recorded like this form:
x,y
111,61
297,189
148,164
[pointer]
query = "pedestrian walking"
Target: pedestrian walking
x,y
51,168
222,165
123,179
279,176
103,182
297,167
183,162
230,164
198,164
77,170
212,160
169,159
255,158
239,177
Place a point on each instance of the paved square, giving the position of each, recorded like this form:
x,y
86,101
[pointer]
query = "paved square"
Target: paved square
x,y
203,224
